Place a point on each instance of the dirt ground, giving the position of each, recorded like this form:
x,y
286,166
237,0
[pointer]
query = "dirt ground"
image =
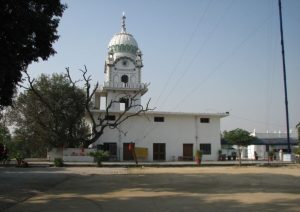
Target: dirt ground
x,y
151,189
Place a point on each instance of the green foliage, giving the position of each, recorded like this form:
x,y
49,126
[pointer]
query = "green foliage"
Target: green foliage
x,y
219,152
297,150
238,137
198,154
99,156
51,115
19,156
17,148
271,153
4,134
23,144
58,162
28,30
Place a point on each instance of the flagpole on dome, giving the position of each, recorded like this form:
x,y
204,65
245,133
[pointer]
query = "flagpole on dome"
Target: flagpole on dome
x,y
123,23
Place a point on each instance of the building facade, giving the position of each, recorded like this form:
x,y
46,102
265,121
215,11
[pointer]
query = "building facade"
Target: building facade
x,y
158,136
270,142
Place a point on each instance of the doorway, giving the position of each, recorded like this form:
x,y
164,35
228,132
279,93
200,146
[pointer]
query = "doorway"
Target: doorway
x,y
112,149
159,151
127,154
187,152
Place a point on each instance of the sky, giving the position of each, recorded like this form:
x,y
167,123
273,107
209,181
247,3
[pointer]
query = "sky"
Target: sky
x,y
206,56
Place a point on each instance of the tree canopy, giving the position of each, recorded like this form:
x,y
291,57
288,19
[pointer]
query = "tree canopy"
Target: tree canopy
x,y
4,134
28,28
51,114
239,137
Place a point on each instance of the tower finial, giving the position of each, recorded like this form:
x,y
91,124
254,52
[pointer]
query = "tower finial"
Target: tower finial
x,y
123,23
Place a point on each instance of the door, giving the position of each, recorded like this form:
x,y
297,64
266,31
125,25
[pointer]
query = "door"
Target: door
x,y
112,149
187,152
127,154
159,151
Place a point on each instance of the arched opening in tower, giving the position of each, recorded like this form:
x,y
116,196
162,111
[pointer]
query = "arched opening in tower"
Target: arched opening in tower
x,y
124,104
124,79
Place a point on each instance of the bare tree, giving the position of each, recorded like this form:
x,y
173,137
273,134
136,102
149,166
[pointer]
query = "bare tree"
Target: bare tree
x,y
101,121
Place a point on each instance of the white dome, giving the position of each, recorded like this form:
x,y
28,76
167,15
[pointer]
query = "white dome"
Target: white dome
x,y
123,41
123,38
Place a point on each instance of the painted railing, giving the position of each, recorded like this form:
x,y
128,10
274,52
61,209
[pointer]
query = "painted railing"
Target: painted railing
x,y
125,85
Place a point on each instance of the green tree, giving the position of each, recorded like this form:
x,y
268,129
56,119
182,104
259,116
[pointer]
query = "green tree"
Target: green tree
x,y
28,28
297,150
4,134
239,137
54,107
50,114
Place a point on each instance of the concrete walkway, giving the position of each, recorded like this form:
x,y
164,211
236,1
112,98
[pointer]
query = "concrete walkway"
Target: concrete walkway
x,y
44,162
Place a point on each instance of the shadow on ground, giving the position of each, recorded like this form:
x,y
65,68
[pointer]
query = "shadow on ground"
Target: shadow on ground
x,y
19,184
156,192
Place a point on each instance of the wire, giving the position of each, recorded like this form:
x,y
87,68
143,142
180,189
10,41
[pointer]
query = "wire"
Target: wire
x,y
174,70
254,121
219,65
208,37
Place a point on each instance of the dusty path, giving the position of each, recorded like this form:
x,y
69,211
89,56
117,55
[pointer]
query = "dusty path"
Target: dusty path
x,y
163,189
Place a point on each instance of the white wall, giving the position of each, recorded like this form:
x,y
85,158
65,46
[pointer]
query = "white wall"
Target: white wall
x,y
70,154
260,150
174,132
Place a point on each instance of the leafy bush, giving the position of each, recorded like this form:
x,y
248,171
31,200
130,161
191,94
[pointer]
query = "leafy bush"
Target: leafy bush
x,y
19,157
58,162
297,150
99,156
198,154
271,153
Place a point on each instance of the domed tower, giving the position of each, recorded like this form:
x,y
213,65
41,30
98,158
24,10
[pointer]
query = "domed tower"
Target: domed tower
x,y
122,71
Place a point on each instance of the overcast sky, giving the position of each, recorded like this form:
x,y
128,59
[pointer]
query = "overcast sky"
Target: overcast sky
x,y
199,55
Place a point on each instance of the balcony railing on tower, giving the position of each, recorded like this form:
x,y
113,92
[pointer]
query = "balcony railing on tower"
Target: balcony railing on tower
x,y
112,85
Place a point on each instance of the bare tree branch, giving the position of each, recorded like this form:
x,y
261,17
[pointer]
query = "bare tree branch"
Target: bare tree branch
x,y
100,123
70,78
32,88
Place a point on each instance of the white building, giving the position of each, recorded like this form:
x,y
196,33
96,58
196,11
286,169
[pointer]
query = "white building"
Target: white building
x,y
270,141
163,136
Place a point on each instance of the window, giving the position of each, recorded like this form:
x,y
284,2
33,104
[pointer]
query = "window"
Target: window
x,y
112,149
124,79
159,119
204,120
110,117
205,148
102,103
